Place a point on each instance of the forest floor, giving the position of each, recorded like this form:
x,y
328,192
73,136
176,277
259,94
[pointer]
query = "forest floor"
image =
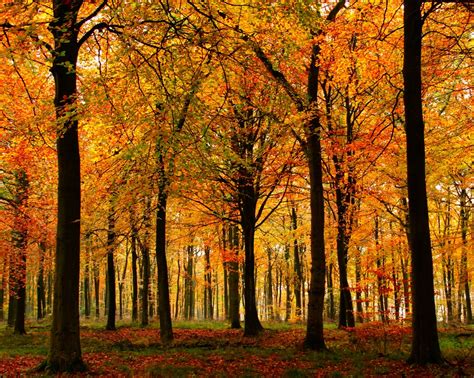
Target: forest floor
x,y
211,349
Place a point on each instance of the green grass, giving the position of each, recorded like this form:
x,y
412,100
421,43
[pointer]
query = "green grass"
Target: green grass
x,y
346,355
33,343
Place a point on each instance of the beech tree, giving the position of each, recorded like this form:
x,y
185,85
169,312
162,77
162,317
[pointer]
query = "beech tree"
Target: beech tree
x,y
425,345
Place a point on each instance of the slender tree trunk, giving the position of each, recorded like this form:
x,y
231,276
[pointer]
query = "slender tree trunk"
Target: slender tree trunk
x,y
380,272
360,310
297,264
314,330
166,328
178,279
134,237
111,297
40,287
425,345
346,312
122,284
208,286
225,268
287,284
3,283
145,250
189,285
331,309
269,298
233,266
87,289
96,274
464,214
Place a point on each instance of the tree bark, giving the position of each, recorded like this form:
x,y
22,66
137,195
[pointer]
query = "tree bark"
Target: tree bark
x,y
209,308
425,345
40,287
464,214
145,250
297,264
134,237
166,328
189,285
96,289
233,266
65,348
111,297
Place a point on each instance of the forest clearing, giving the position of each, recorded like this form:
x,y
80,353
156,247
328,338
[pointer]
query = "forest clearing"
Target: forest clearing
x,y
236,188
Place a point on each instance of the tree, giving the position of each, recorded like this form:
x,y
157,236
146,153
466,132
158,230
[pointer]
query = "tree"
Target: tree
x,y
425,345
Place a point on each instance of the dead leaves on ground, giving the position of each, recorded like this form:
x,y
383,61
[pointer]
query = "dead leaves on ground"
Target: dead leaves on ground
x,y
369,349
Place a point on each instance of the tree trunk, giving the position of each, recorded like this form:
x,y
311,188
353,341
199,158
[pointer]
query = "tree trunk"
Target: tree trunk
x,y
40,287
233,266
96,273
287,284
314,330
331,309
166,328
87,289
252,323
269,298
3,283
145,250
464,214
297,264
134,237
189,285
380,272
425,345
346,312
178,279
225,269
65,347
209,310
111,299
360,311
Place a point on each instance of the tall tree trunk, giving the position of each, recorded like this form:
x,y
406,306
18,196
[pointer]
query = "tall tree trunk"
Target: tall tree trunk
x,y
122,284
287,284
166,327
3,283
40,287
209,310
360,310
330,284
269,298
134,237
297,264
96,274
145,250
233,266
380,271
252,323
111,299
19,240
464,214
178,279
425,345
87,289
189,285
346,312
225,269
65,348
